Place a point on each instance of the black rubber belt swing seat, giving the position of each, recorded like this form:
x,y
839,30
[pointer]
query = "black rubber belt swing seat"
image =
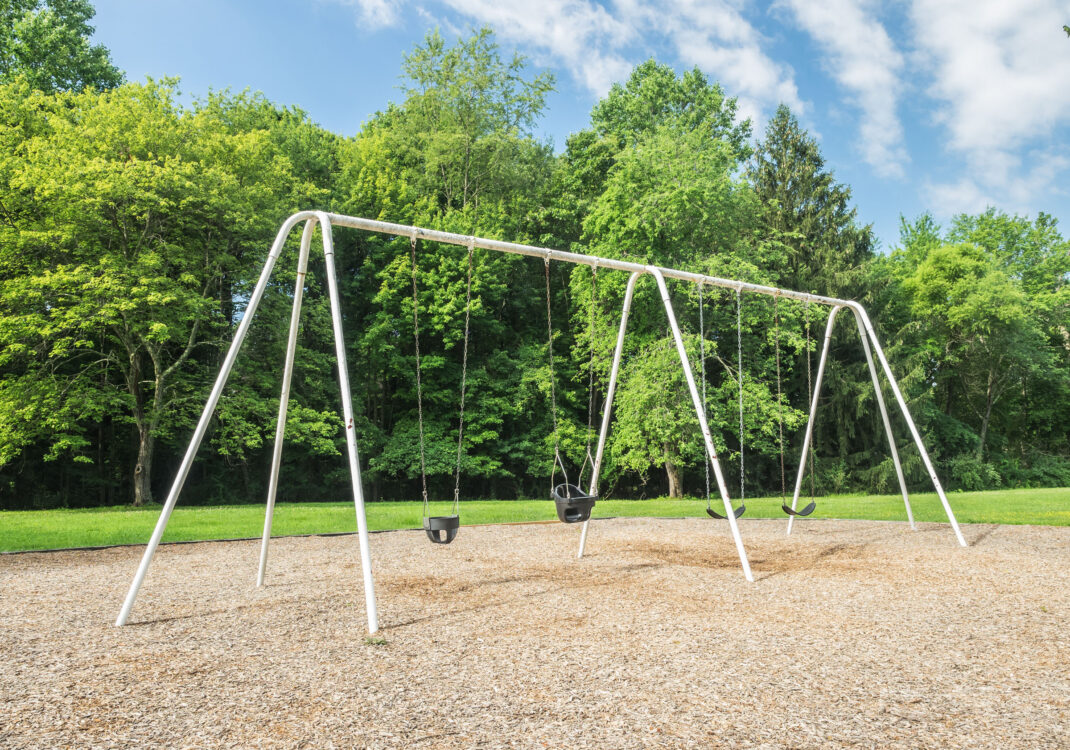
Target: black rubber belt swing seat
x,y
803,512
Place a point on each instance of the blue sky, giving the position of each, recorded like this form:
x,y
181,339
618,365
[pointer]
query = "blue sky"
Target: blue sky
x,y
920,105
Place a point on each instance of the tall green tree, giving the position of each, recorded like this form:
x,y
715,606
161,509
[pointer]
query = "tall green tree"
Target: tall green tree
x,y
814,242
48,42
981,339
457,153
653,97
656,180
976,313
129,212
806,211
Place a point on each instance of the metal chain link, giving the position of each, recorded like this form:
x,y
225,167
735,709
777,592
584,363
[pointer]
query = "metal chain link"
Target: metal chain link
x,y
739,378
419,385
464,379
588,458
553,387
810,395
590,374
779,397
702,365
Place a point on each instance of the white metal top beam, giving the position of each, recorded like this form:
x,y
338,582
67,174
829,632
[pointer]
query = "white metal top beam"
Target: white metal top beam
x,y
450,238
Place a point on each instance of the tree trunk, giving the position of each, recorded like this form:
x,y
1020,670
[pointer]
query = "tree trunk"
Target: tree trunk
x,y
676,483
143,468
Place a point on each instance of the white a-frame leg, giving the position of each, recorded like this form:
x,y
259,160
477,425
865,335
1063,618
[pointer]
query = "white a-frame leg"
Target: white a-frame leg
x,y
869,340
206,415
284,397
884,417
607,411
815,399
700,412
695,399
347,412
863,318
311,218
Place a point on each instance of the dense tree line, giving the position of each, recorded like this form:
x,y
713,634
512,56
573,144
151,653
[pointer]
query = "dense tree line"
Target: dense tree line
x,y
132,229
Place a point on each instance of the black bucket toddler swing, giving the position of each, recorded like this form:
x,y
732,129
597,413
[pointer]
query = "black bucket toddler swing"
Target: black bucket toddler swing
x,y
573,503
441,529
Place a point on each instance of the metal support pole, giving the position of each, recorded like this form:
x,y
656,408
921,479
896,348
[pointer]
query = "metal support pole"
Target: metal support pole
x,y
326,221
813,413
861,312
701,414
350,427
629,292
284,397
206,415
884,416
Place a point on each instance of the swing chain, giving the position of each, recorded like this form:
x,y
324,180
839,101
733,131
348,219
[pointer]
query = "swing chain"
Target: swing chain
x,y
702,365
588,458
779,396
419,385
464,377
739,374
553,388
810,395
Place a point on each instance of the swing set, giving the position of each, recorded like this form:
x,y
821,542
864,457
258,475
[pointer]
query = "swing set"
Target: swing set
x,y
573,503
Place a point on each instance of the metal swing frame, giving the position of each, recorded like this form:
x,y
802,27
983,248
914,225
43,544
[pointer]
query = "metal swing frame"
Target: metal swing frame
x,y
326,222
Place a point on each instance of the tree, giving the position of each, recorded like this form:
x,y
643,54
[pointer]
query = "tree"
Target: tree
x,y
976,313
806,212
656,179
129,211
456,154
47,42
652,97
462,135
978,328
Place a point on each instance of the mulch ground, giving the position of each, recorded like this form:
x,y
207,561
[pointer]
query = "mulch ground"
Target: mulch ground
x,y
854,634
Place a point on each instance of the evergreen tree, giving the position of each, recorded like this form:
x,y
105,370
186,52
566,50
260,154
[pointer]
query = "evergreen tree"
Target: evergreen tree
x,y
806,212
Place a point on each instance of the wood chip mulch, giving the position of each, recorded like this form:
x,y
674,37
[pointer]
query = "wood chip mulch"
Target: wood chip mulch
x,y
854,634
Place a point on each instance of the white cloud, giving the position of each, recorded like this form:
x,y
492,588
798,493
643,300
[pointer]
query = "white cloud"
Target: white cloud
x,y
598,45
1014,192
581,36
593,43
376,14
865,62
1001,72
715,36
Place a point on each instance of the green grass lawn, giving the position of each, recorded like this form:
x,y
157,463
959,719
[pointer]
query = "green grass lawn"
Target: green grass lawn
x,y
47,529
